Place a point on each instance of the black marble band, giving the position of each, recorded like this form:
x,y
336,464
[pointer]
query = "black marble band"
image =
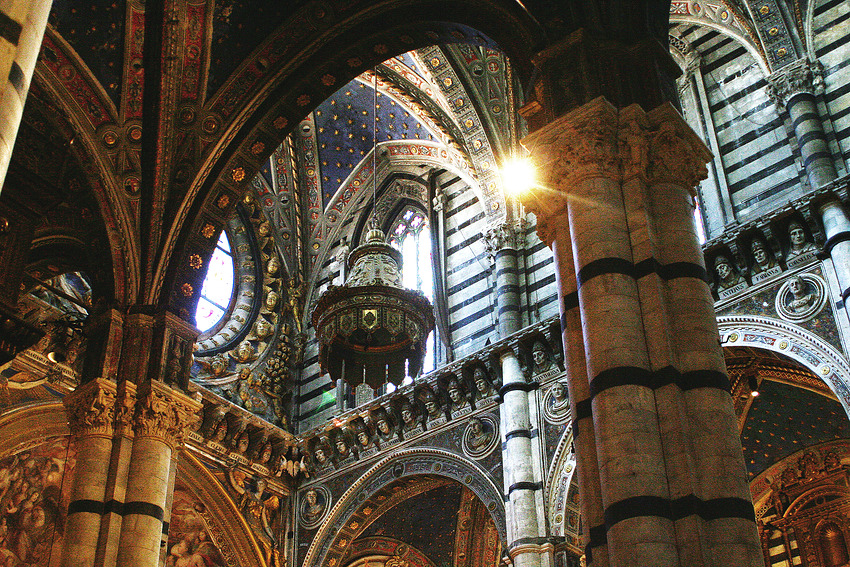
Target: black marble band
x,y
645,267
805,117
634,376
570,301
811,136
518,386
10,30
524,486
816,156
83,505
845,294
798,98
835,239
518,433
674,510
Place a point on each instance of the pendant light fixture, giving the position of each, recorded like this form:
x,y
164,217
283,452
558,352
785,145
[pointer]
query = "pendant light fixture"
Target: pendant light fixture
x,y
371,329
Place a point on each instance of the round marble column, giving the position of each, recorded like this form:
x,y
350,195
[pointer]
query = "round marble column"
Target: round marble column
x,y
657,395
91,415
792,89
22,25
503,242
161,416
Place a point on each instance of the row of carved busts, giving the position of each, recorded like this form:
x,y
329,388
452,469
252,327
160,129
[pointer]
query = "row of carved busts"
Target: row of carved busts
x,y
248,438
759,254
449,394
403,416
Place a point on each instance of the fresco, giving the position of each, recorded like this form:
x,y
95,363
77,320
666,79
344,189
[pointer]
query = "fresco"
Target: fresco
x,y
33,503
190,540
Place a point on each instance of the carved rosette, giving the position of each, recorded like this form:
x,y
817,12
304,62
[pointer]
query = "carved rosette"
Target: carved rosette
x,y
91,409
163,413
798,77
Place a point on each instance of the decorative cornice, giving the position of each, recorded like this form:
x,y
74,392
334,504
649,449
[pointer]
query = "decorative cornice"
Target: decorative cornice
x,y
91,409
163,413
801,76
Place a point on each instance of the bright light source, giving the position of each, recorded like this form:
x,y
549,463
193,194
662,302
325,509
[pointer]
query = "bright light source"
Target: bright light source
x,y
754,393
518,175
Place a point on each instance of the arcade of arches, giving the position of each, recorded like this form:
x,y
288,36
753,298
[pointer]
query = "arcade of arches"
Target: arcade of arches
x,y
643,359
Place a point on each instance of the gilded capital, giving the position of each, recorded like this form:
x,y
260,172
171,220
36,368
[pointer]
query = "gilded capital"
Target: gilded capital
x,y
801,76
163,413
91,408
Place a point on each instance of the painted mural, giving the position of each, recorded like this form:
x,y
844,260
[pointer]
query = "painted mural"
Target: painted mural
x,y
34,502
190,539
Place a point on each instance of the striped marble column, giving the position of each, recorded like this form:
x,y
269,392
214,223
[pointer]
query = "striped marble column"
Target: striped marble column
x,y
557,236
160,418
91,417
22,25
503,243
792,89
526,545
658,403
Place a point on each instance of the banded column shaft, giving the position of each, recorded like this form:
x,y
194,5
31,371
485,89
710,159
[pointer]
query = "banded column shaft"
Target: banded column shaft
x,y
161,416
22,23
837,227
656,390
503,242
521,460
119,467
584,439
91,415
525,545
792,88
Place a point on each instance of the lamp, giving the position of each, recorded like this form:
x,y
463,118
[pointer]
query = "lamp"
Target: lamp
x,y
371,327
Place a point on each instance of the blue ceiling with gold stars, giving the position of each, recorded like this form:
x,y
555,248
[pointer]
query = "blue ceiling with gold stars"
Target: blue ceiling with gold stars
x,y
344,127
95,29
785,419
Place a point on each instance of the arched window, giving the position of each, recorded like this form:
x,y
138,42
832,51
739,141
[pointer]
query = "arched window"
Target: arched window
x,y
218,286
411,234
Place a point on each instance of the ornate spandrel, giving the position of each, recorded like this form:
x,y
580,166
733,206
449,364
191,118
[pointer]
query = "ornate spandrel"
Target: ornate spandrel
x,y
91,408
801,76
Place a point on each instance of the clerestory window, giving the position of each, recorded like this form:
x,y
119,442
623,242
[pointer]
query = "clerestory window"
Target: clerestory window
x,y
218,286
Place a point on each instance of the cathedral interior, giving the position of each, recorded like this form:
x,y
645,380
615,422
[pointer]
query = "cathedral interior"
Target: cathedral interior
x,y
424,283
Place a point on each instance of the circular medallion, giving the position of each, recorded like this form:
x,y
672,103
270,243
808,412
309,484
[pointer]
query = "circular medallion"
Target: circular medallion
x,y
314,507
801,297
556,404
480,437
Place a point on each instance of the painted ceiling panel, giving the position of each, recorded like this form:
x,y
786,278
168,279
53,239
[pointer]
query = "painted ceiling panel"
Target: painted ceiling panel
x,y
785,419
344,130
95,29
427,522
239,27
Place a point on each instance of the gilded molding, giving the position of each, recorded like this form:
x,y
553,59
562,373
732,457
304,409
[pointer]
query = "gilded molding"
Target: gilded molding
x,y
91,409
163,413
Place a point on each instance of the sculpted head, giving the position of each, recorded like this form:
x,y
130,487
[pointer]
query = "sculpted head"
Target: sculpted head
x,y
760,254
723,267
796,234
454,391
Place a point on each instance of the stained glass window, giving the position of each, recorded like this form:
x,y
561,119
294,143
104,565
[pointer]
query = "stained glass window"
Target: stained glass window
x,y
217,288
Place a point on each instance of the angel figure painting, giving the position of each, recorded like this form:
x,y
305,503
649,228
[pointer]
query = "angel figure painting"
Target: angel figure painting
x,y
189,540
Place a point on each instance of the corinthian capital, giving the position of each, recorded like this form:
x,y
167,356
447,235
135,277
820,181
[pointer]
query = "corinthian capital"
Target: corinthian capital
x,y
163,413
510,234
91,408
798,77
